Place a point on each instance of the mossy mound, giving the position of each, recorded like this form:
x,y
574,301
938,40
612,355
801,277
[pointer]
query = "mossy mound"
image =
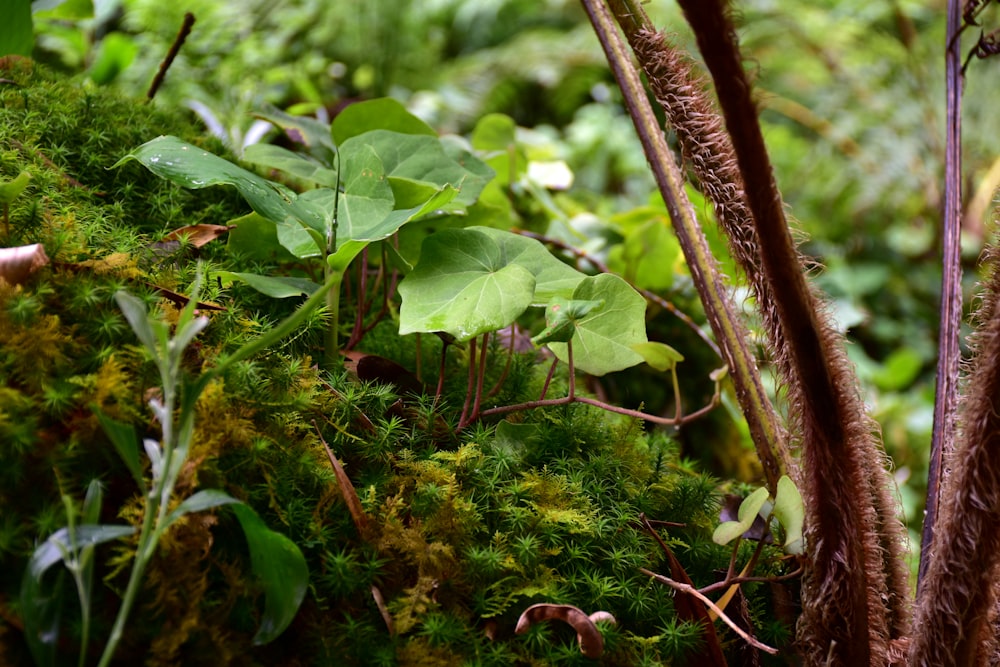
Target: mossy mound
x,y
464,530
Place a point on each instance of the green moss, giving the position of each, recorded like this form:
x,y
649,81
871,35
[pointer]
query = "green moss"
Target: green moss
x,y
467,529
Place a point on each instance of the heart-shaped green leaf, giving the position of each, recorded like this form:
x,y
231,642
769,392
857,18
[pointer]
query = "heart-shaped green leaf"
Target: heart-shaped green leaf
x,y
409,158
560,320
660,356
604,338
378,114
367,199
463,285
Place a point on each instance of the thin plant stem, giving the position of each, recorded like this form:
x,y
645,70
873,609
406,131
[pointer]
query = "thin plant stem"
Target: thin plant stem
x,y
691,590
548,379
572,370
949,352
470,385
506,367
481,374
441,368
175,48
729,330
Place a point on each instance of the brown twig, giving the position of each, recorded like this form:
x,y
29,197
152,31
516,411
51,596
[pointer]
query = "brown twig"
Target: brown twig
x,y
175,48
691,590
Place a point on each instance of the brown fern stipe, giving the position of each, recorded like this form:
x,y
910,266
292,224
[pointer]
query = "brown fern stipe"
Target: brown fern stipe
x,y
855,592
956,597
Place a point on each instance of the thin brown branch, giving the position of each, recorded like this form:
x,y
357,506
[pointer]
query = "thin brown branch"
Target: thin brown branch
x,y
175,48
691,590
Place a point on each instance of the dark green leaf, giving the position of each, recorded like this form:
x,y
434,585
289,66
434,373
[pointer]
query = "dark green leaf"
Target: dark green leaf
x,y
126,443
281,569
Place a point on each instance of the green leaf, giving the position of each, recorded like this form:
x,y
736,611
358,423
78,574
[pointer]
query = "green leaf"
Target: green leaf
x,y
199,502
553,278
276,287
41,610
790,513
367,199
660,356
604,338
17,35
496,135
150,333
384,113
126,442
310,132
295,164
117,51
281,569
727,531
463,285
423,159
899,369
10,190
650,251
256,238
53,550
560,320
192,167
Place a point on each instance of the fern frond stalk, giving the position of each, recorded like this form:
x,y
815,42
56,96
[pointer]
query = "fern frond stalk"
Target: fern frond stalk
x,y
855,592
729,330
957,594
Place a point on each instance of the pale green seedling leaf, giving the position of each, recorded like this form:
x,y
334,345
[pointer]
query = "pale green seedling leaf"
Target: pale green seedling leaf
x,y
378,114
199,502
52,550
604,338
295,164
660,356
790,513
150,333
193,167
463,285
276,287
10,190
727,531
281,570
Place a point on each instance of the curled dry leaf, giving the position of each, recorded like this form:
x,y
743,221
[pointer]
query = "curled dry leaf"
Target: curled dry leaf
x,y
589,637
198,235
17,264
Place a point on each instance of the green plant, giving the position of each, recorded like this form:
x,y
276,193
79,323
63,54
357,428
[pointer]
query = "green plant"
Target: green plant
x,y
364,183
276,560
